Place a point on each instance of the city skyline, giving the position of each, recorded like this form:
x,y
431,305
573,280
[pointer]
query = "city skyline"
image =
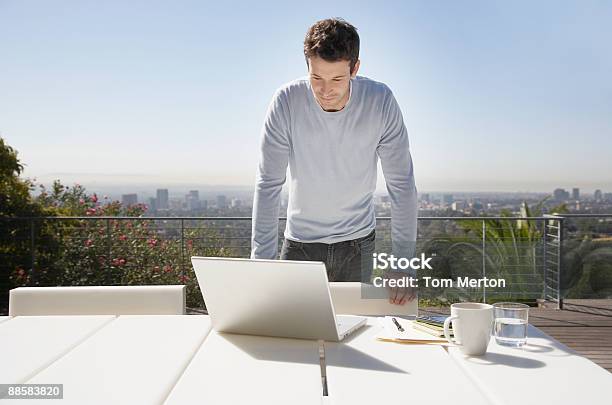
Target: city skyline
x,y
496,96
160,198
152,183
166,203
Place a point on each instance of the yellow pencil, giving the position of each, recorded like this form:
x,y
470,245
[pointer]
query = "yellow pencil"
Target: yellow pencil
x,y
413,341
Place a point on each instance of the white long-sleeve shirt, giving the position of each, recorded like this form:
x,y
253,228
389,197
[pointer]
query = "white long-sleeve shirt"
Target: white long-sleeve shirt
x,y
332,158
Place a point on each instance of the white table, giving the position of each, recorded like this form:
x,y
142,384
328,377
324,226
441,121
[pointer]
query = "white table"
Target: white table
x,y
241,369
366,371
137,359
29,344
543,371
175,360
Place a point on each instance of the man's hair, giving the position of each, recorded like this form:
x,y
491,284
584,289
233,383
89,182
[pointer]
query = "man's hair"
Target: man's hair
x,y
332,39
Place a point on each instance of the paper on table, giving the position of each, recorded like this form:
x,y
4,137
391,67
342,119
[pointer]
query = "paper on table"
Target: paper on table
x,y
390,333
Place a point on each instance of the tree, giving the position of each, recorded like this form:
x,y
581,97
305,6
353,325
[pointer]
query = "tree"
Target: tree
x,y
511,250
15,202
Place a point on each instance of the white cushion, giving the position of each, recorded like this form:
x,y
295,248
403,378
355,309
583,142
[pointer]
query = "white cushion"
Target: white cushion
x,y
347,300
98,300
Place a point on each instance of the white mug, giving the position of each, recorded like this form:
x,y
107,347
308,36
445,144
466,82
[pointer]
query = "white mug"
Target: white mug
x,y
472,327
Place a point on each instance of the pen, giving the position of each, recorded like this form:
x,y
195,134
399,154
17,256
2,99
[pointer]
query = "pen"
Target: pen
x,y
399,327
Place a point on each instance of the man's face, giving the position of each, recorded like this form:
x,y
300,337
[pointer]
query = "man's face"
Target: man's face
x,y
330,82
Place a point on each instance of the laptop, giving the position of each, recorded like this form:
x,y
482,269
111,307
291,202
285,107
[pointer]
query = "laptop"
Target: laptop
x,y
281,298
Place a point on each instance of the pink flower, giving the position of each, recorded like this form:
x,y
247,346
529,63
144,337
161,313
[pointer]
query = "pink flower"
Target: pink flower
x,y
94,198
183,279
90,211
81,201
88,242
152,242
122,237
167,269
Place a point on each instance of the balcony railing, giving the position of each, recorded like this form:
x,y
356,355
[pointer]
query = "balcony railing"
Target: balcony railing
x,y
544,257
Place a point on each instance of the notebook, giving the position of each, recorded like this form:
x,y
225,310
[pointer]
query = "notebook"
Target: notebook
x,y
432,324
391,333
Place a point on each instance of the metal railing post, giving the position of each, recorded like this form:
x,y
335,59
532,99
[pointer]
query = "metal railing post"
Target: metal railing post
x,y
33,273
560,235
545,269
484,261
108,245
182,248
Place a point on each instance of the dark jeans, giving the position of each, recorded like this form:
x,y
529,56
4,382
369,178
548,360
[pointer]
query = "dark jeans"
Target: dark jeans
x,y
350,260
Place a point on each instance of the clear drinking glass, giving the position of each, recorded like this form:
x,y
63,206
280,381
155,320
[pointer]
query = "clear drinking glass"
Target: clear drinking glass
x,y
510,323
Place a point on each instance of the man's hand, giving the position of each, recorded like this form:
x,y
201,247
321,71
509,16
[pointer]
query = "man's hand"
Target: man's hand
x,y
399,295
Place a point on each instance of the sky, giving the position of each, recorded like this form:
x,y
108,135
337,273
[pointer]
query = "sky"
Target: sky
x,y
496,95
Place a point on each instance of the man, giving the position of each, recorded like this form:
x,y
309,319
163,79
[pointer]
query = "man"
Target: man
x,y
331,128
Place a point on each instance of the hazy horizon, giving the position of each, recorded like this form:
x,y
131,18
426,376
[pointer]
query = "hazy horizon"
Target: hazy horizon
x,y
151,183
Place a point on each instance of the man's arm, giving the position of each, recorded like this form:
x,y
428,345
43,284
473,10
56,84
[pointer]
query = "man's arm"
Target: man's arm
x,y
271,174
396,161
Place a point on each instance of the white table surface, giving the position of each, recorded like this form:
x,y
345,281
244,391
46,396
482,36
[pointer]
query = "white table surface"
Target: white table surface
x,y
4,318
542,371
363,370
136,359
241,369
169,359
29,344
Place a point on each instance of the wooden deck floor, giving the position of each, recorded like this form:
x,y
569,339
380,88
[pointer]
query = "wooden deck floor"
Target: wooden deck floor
x,y
583,325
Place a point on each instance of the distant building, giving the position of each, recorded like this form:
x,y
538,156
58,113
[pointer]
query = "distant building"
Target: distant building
x,y
607,197
192,200
598,196
447,199
575,194
162,199
425,198
192,204
236,203
176,204
458,205
560,194
221,202
152,204
129,199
